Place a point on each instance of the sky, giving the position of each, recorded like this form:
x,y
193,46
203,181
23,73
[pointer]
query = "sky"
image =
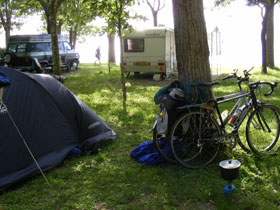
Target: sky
x,y
238,24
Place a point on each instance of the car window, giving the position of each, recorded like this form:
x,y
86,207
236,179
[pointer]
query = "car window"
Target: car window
x,y
60,46
40,47
67,46
21,48
12,48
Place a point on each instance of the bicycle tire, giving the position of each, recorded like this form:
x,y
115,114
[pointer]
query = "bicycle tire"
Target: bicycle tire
x,y
242,140
195,139
157,139
259,140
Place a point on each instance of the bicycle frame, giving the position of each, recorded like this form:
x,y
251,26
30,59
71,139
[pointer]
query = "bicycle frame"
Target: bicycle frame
x,y
241,96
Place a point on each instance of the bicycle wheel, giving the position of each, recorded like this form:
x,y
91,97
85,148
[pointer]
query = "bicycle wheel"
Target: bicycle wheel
x,y
262,129
162,146
241,136
195,139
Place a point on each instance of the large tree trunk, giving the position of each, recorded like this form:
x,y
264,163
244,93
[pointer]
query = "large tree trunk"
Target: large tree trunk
x,y
111,48
50,8
270,38
192,50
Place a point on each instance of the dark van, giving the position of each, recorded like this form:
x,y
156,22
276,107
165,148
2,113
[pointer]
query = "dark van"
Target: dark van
x,y
23,49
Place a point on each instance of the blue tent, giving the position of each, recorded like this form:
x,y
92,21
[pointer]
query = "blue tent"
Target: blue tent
x,y
40,114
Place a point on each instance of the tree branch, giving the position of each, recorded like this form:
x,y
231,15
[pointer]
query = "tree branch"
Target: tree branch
x,y
152,8
160,8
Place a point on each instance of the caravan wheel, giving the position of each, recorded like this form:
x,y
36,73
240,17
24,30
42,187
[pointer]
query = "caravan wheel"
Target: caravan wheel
x,y
162,76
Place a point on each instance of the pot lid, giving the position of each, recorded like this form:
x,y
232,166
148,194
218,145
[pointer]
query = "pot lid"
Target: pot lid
x,y
230,164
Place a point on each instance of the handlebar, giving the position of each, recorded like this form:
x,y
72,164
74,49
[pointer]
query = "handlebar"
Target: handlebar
x,y
231,75
256,84
246,72
239,78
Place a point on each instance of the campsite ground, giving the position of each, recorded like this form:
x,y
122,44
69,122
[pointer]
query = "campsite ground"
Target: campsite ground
x,y
111,179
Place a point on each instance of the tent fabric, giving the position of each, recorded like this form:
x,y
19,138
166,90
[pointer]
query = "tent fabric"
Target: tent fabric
x,y
52,121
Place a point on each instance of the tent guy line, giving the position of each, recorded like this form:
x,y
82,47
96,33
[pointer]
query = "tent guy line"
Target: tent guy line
x,y
23,139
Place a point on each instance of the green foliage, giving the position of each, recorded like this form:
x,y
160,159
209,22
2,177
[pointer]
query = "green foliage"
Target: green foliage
x,y
116,13
261,2
249,2
111,179
11,11
223,2
74,13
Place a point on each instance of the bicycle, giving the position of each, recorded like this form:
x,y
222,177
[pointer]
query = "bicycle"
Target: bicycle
x,y
196,136
160,139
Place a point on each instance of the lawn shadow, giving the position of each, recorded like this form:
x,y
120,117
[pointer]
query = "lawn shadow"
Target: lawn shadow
x,y
275,68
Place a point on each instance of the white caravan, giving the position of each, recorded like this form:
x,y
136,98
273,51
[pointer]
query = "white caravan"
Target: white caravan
x,y
149,50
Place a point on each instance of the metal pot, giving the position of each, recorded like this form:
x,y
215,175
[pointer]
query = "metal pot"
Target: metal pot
x,y
229,169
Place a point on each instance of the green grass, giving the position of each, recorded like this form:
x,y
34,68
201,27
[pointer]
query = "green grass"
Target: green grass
x,y
111,179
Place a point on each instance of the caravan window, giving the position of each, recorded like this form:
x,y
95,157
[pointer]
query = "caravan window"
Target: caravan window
x,y
134,45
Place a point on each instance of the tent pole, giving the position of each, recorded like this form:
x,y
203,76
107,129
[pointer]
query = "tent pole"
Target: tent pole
x,y
41,171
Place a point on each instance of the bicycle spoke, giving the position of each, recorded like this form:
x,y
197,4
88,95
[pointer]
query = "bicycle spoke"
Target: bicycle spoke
x,y
199,143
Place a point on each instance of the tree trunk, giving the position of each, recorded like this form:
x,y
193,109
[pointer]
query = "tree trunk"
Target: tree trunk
x,y
192,50
75,35
55,51
50,8
111,50
155,14
270,37
48,22
122,74
155,9
6,23
7,32
123,80
59,26
263,40
71,36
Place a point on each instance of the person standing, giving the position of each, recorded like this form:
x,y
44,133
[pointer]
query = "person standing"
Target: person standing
x,y
97,55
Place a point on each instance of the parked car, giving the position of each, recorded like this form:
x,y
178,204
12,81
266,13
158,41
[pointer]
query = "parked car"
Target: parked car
x,y
23,49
